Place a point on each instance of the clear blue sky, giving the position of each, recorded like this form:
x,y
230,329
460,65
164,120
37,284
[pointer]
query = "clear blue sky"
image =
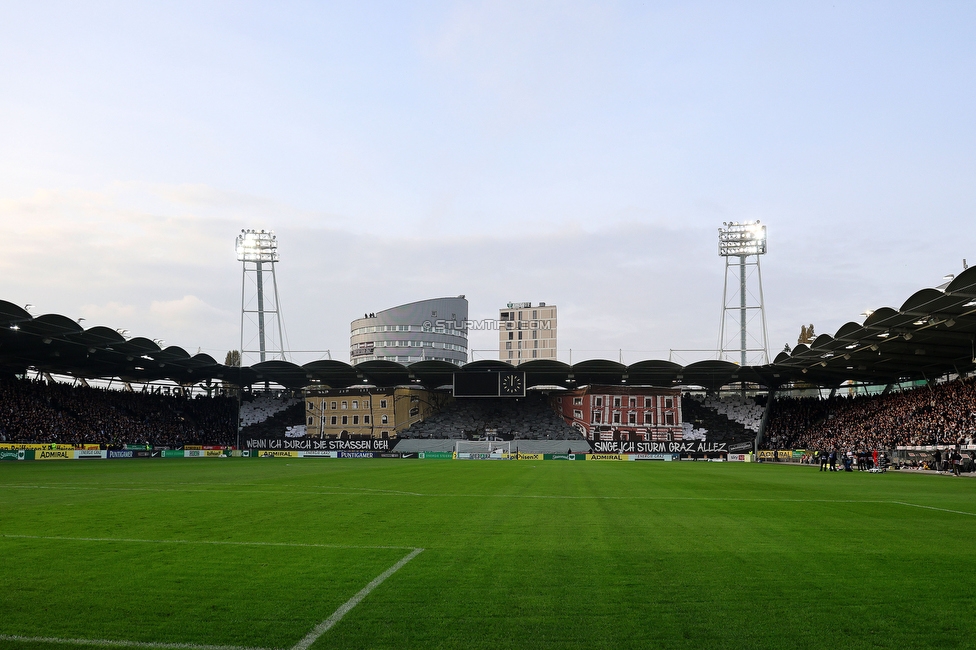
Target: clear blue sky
x,y
582,154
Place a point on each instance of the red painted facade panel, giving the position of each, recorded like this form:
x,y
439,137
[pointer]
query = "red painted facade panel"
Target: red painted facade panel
x,y
624,413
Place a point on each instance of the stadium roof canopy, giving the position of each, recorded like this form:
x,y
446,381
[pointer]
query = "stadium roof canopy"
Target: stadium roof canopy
x,y
931,334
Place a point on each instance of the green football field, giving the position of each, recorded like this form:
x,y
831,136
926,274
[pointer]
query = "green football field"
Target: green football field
x,y
312,553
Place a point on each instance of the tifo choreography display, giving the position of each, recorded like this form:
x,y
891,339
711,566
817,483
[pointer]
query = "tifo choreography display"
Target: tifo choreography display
x,y
899,384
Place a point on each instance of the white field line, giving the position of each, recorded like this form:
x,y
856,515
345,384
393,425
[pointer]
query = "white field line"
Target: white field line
x,y
203,542
344,609
122,644
323,491
303,644
916,505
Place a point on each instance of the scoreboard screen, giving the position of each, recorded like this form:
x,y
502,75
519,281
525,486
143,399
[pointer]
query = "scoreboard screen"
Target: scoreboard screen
x,y
507,383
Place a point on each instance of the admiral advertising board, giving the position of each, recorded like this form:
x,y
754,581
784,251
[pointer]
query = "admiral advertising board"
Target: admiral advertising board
x,y
314,444
54,454
601,447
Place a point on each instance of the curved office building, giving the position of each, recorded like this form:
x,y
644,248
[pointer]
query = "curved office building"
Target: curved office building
x,y
426,330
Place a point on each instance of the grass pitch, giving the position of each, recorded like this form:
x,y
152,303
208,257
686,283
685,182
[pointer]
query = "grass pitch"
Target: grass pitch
x,y
258,553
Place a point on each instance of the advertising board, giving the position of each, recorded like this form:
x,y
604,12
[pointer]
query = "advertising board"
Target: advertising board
x,y
90,454
13,454
436,455
54,454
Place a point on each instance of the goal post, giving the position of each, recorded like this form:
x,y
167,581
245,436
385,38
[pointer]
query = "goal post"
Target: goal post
x,y
482,449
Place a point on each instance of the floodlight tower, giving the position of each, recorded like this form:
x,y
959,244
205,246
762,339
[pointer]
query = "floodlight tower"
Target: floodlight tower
x,y
744,241
257,250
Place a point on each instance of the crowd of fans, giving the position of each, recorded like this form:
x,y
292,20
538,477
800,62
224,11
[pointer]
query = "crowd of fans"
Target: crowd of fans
x,y
944,414
40,412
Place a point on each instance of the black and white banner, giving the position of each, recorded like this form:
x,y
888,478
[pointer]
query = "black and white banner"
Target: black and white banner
x,y
641,447
312,444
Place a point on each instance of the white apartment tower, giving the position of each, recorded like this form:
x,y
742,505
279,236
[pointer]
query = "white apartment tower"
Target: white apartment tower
x,y
526,332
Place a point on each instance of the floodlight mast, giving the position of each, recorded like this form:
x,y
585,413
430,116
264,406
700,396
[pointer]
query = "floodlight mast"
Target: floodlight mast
x,y
743,240
259,248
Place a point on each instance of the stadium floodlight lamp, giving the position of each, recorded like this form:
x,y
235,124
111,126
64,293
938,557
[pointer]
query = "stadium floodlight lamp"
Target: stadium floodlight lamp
x,y
741,239
257,246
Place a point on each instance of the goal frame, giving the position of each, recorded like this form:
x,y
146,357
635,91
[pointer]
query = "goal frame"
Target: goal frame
x,y
483,449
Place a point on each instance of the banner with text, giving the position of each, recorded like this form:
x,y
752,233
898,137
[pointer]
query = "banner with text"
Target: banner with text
x,y
313,444
640,447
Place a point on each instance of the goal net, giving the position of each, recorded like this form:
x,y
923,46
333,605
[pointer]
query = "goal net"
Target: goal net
x,y
482,449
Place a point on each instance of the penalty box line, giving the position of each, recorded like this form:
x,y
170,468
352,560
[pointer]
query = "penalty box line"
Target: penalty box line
x,y
347,606
122,644
204,542
916,505
302,644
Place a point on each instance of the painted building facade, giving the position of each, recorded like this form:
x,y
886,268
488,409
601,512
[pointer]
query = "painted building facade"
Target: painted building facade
x,y
631,413
373,412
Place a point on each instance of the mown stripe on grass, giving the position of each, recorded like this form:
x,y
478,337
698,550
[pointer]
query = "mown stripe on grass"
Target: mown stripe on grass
x,y
396,493
344,609
203,541
122,644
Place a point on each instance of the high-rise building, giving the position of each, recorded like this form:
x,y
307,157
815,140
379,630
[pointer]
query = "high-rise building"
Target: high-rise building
x,y
526,333
427,330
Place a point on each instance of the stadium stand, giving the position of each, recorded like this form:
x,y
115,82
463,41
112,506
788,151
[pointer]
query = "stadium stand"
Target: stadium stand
x,y
258,407
737,408
41,412
528,418
942,414
270,415
704,422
